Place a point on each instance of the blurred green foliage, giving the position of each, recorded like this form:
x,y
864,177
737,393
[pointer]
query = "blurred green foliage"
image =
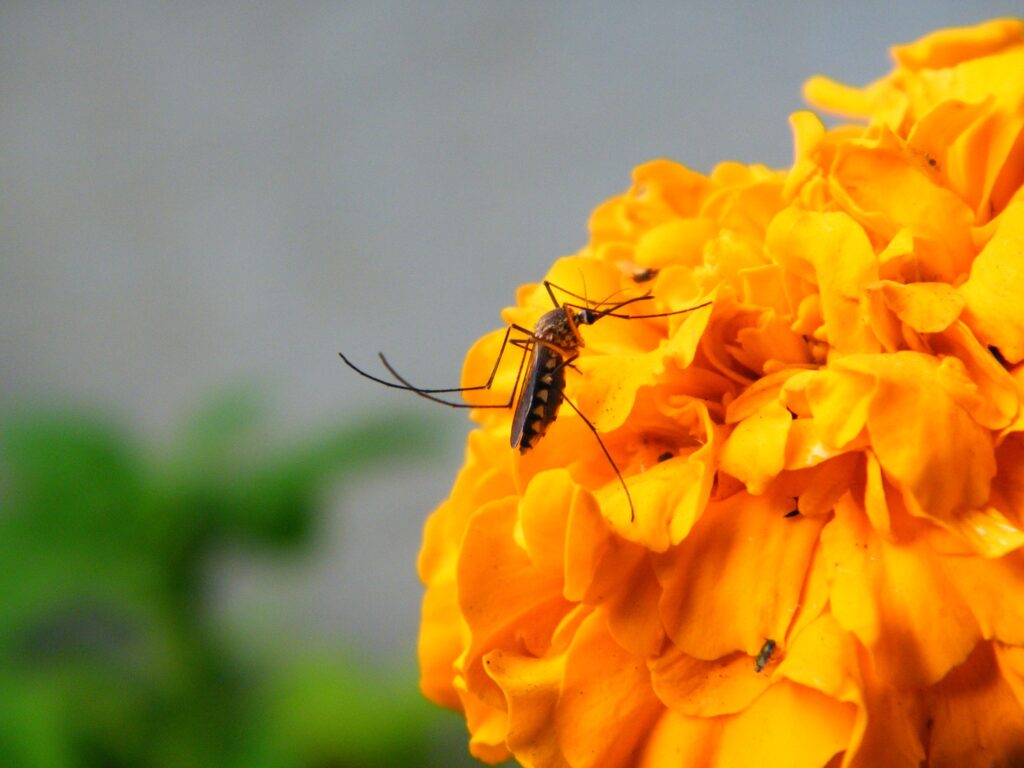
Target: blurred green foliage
x,y
107,656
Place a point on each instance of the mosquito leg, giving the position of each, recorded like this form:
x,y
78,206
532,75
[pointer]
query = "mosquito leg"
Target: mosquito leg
x,y
427,394
607,455
551,287
490,379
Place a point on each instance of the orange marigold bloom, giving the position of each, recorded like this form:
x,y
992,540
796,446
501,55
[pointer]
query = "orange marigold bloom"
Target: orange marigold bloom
x,y
829,456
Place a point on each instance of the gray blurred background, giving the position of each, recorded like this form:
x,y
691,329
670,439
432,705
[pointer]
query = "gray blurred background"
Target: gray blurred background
x,y
200,194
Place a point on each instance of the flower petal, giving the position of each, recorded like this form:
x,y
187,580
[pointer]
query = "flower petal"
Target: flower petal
x,y
976,720
992,293
532,688
607,705
720,566
843,263
918,430
699,688
877,594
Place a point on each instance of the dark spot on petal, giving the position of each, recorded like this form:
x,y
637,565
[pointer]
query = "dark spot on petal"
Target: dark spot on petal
x,y
644,275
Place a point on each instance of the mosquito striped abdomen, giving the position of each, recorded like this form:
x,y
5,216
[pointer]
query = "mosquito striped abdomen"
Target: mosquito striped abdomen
x,y
556,341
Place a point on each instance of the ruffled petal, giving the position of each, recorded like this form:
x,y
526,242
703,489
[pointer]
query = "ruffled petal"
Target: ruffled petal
x,y
975,718
994,311
876,593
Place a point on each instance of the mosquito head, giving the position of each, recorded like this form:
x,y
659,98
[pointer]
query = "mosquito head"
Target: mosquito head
x,y
587,316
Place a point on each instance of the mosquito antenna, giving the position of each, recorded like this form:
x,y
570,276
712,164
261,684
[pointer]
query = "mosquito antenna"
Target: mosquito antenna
x,y
607,455
659,314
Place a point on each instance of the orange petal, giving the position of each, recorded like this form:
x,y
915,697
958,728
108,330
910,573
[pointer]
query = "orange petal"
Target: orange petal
x,y
826,658
531,687
918,430
632,607
611,385
823,656
505,600
976,720
487,727
716,598
763,734
607,706
587,539
991,588
996,399
1011,665
876,594
698,688
442,638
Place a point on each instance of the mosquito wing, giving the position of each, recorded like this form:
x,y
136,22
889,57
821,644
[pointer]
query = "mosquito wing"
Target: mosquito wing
x,y
539,399
526,393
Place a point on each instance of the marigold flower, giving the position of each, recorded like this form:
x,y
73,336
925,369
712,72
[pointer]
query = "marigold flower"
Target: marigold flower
x,y
829,456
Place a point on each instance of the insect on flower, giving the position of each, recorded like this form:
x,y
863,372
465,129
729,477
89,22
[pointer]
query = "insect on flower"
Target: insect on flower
x,y
553,345
763,657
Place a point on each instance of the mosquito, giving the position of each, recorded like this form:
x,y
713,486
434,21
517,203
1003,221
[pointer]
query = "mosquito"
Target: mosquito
x,y
553,345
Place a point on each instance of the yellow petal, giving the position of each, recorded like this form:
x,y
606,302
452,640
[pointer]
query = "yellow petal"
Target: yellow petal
x,y
677,242
755,451
925,307
839,401
884,189
994,310
831,96
843,263
947,47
